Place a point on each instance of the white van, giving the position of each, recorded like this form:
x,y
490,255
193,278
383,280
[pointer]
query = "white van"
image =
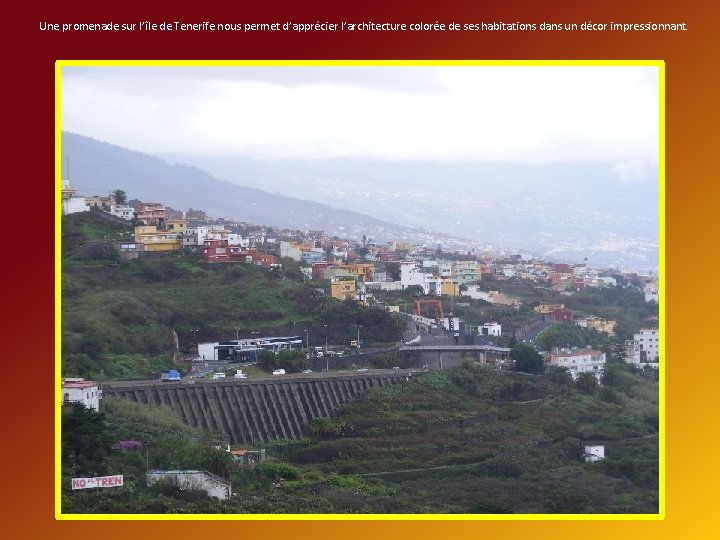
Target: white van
x,y
240,375
279,372
217,376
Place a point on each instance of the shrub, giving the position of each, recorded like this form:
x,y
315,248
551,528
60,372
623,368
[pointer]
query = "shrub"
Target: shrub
x,y
278,469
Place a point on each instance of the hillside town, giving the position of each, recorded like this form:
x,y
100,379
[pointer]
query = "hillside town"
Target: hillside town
x,y
445,312
362,269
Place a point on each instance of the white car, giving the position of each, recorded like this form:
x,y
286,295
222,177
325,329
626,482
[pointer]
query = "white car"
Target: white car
x,y
279,372
217,376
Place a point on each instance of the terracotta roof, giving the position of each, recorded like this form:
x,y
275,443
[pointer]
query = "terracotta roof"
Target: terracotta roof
x,y
79,384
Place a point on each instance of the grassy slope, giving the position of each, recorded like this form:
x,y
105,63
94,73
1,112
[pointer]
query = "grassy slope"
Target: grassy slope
x,y
119,316
492,441
468,441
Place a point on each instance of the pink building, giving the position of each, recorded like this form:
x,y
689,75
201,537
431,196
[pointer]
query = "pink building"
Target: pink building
x,y
151,213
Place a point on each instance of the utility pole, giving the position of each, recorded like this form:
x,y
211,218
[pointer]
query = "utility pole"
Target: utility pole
x,y
327,361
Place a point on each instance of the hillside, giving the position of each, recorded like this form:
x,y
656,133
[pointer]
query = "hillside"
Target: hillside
x,y
122,318
469,440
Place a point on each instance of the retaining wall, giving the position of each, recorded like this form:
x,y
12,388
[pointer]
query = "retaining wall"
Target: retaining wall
x,y
253,412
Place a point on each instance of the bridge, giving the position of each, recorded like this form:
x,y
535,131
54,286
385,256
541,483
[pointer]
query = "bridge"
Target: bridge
x,y
258,410
483,352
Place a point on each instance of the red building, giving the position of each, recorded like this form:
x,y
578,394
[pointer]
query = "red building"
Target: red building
x,y
221,251
562,268
561,315
318,269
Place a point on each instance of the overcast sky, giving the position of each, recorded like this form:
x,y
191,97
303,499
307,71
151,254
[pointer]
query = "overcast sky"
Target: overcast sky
x,y
465,113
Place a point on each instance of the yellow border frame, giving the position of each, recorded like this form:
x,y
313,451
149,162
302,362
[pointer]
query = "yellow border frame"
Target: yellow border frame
x,y
660,64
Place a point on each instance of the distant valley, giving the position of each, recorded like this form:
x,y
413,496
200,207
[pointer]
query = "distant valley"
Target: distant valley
x,y
561,211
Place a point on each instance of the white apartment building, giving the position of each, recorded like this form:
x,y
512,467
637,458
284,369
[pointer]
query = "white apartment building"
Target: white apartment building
x,y
445,270
73,205
291,250
122,211
644,348
411,274
465,272
579,361
76,390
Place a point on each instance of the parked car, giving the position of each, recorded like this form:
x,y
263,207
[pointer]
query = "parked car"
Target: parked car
x,y
307,371
169,376
279,372
217,376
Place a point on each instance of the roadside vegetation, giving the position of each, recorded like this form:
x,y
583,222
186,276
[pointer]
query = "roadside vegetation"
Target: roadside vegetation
x,y
468,440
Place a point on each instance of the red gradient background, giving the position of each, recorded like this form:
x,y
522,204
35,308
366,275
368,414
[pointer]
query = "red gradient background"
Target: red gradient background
x,y
691,172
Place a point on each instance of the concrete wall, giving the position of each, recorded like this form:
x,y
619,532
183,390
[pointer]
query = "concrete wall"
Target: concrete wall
x,y
252,412
213,485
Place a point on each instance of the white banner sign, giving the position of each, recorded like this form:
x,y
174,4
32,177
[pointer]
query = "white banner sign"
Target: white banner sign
x,y
97,482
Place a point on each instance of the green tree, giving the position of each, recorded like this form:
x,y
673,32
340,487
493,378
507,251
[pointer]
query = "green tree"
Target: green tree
x,y
586,382
559,376
618,350
527,359
291,360
414,291
562,335
120,196
612,375
392,269
85,440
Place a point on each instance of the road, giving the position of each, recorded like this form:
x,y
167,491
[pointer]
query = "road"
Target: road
x,y
344,374
535,330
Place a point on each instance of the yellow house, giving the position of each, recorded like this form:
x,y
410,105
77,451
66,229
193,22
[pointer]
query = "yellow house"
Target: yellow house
x,y
364,271
343,289
449,288
176,225
154,240
601,325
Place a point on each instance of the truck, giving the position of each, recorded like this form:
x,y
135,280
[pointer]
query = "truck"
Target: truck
x,y
170,376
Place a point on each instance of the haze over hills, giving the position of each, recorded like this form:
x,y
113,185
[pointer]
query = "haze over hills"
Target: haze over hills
x,y
97,167
562,211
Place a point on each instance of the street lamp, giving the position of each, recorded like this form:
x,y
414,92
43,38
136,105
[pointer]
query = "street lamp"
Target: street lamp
x,y
307,339
359,326
237,334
